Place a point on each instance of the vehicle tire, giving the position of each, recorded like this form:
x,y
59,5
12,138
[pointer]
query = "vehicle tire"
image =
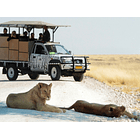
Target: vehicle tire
x,y
34,76
12,72
55,72
79,78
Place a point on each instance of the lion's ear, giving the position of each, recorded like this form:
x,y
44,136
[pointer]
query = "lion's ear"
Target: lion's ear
x,y
122,108
50,84
40,85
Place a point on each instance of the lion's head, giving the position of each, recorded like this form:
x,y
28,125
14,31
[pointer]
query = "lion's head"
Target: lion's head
x,y
114,111
45,91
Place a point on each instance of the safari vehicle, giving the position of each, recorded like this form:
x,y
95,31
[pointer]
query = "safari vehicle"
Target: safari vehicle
x,y
19,56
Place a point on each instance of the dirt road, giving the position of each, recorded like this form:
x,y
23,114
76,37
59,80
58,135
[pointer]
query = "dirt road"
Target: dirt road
x,y
64,93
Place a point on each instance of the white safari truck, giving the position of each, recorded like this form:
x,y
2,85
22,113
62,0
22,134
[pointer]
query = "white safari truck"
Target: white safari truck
x,y
20,56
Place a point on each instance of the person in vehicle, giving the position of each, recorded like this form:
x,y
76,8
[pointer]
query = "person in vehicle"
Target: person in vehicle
x,y
13,36
40,36
46,35
25,36
32,37
4,31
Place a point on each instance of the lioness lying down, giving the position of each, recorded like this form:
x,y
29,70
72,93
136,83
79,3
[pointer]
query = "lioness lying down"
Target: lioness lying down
x,y
33,99
109,110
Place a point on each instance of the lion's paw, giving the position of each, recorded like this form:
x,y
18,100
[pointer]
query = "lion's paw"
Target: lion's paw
x,y
64,110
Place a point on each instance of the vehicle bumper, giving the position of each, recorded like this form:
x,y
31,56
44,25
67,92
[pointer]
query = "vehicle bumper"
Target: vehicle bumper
x,y
76,68
73,66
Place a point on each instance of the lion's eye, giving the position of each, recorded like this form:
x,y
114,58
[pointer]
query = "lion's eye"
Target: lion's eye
x,y
45,91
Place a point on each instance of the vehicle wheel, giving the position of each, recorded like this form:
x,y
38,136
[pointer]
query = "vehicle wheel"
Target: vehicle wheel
x,y
79,78
55,72
12,72
34,76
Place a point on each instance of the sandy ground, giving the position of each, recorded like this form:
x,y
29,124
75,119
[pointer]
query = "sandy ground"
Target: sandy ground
x,y
64,93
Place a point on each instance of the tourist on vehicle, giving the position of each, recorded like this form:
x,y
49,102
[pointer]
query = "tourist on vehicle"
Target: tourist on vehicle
x,y
5,31
40,36
32,37
46,35
13,36
25,35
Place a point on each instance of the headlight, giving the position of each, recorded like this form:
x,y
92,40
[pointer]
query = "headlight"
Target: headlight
x,y
66,60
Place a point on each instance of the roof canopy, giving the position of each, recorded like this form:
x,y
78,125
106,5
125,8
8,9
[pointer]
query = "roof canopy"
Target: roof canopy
x,y
33,24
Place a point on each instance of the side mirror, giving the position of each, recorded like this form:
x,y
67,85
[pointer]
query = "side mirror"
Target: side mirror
x,y
70,52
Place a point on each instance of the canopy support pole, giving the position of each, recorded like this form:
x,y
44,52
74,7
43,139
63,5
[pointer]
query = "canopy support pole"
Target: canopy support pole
x,y
54,30
9,30
19,30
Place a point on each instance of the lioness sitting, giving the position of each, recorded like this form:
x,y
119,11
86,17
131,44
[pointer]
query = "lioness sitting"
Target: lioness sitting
x,y
33,99
109,110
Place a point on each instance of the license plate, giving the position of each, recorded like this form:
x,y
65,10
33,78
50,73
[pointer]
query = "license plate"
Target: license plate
x,y
78,67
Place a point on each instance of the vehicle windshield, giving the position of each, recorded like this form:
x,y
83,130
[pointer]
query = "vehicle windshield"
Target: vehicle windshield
x,y
56,49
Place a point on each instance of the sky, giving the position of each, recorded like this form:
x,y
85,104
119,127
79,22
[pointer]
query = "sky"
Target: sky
x,y
93,35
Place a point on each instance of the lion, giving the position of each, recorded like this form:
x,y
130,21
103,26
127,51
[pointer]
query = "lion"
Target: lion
x,y
33,99
109,110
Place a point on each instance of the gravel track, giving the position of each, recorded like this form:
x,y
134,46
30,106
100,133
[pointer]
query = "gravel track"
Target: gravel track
x,y
64,93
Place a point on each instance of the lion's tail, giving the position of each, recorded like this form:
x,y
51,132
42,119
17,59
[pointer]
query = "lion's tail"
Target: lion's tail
x,y
69,108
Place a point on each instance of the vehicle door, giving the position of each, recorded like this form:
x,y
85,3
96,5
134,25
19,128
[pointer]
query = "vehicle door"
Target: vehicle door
x,y
38,58
33,61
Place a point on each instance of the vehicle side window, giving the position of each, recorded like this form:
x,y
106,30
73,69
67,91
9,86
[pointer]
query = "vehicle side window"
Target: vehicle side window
x,y
40,50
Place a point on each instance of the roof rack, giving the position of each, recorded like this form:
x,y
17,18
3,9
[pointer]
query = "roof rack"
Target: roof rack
x,y
29,25
33,24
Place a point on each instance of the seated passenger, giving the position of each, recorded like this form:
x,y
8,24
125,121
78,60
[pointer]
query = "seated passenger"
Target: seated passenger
x,y
40,36
25,35
5,32
13,36
32,37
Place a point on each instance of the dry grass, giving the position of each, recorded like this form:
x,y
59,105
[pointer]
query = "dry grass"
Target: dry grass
x,y
116,70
